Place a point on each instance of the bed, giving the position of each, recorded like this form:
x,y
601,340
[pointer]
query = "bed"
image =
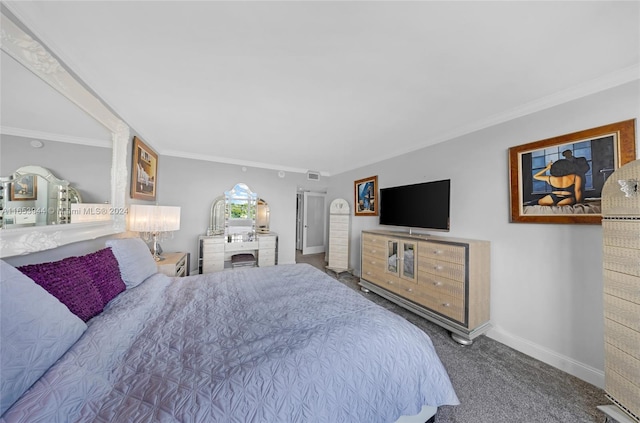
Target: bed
x,y
279,344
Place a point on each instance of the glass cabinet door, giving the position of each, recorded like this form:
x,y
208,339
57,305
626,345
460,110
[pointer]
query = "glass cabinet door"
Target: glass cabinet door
x,y
392,257
408,270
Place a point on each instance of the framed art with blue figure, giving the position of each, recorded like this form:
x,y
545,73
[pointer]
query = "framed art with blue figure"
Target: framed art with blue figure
x,y
366,196
560,179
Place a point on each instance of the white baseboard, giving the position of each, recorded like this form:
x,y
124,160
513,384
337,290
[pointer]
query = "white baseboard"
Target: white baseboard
x,y
552,358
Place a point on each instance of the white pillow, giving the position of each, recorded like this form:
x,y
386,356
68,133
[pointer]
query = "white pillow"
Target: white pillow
x,y
134,259
37,330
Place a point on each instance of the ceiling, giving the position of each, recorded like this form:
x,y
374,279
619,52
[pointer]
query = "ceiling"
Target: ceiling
x,y
332,86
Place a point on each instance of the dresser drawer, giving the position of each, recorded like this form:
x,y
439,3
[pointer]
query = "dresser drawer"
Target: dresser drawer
x,y
267,242
622,311
438,286
241,246
441,268
374,241
621,233
444,304
375,251
622,286
622,337
444,252
623,260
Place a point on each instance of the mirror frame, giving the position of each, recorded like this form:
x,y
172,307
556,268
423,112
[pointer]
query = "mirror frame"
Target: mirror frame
x,y
37,59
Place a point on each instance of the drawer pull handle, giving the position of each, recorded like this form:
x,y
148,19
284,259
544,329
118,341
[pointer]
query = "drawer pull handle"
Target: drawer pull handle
x,y
409,290
390,282
446,305
438,267
437,251
374,251
368,273
437,283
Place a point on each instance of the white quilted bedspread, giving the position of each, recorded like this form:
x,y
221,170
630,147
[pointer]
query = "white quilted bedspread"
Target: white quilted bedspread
x,y
277,344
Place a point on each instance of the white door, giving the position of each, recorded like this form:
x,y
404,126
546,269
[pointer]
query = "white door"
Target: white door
x,y
313,231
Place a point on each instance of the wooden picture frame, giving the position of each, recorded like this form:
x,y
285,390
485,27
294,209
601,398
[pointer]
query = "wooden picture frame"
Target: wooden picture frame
x,y
542,172
144,171
366,196
25,188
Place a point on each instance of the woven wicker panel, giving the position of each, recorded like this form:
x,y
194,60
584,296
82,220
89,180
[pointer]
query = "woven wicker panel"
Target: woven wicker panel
x,y
621,233
440,251
622,286
622,390
622,337
623,260
622,311
614,200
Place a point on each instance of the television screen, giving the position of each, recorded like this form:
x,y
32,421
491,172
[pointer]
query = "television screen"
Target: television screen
x,y
423,205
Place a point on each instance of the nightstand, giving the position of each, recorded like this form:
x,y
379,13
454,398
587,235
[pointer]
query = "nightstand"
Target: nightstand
x,y
174,264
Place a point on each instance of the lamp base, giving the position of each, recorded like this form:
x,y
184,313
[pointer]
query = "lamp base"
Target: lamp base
x,y
156,250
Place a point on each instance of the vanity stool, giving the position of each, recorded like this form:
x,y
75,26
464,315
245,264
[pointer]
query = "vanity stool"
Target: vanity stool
x,y
243,260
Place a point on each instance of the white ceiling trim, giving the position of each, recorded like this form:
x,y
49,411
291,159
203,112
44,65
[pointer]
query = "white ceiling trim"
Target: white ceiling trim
x,y
28,133
226,160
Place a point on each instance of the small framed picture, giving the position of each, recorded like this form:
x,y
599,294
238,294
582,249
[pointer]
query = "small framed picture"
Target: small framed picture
x,y
366,196
144,171
560,179
25,188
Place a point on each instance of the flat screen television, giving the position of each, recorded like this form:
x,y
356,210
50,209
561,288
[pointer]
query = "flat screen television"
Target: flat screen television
x,y
423,205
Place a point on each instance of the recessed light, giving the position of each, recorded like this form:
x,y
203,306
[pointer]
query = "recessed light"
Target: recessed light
x,y
36,144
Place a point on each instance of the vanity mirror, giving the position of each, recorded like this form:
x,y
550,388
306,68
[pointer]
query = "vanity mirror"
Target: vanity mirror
x,y
33,196
31,55
240,212
238,208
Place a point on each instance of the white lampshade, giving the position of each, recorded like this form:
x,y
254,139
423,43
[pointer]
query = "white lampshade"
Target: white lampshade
x,y
152,219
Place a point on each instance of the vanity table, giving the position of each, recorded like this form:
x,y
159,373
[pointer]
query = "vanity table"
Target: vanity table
x,y
239,224
215,252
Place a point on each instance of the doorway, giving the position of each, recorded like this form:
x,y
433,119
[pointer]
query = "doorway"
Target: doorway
x,y
310,225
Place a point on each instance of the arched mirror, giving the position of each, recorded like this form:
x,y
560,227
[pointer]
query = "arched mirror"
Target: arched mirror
x,y
217,219
22,52
240,213
262,216
33,196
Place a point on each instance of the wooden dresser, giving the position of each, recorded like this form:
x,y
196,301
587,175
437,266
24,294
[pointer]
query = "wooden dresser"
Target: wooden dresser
x,y
445,280
621,268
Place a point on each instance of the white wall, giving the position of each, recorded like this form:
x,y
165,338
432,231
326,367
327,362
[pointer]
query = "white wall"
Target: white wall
x,y
546,284
194,184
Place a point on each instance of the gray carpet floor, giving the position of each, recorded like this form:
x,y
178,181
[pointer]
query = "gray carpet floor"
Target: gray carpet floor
x,y
495,383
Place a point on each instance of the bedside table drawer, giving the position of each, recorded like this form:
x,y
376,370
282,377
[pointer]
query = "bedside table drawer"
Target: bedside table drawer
x,y
174,264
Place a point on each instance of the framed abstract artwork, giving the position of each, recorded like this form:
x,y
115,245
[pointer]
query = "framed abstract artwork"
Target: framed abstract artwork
x,y
366,196
144,171
560,179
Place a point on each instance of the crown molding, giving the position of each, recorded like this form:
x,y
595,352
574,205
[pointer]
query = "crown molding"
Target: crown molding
x,y
49,136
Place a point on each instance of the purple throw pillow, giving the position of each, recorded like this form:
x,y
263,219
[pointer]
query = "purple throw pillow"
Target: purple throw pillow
x,y
105,273
70,282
